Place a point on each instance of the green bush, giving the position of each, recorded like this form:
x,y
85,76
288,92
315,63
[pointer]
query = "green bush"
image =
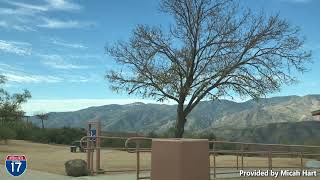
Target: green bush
x,y
23,131
7,133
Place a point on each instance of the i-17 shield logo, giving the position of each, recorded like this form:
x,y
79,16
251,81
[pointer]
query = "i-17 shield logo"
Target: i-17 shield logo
x,y
16,164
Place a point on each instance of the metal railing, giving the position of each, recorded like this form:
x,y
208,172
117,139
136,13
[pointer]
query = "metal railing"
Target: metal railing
x,y
270,153
137,141
242,151
90,148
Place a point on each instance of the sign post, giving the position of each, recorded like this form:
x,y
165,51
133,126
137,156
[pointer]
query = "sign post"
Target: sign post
x,y
94,133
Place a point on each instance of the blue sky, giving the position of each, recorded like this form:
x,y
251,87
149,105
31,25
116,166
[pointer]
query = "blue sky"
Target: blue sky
x,y
55,48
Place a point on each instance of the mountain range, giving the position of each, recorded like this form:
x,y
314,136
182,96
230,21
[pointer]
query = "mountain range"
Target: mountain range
x,y
208,115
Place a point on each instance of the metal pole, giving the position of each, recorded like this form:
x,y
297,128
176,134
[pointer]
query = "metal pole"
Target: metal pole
x,y
214,160
237,160
301,161
241,156
138,158
91,161
98,143
270,158
88,149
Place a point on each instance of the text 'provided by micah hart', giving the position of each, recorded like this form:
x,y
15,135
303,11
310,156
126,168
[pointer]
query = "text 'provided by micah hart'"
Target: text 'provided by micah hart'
x,y
280,173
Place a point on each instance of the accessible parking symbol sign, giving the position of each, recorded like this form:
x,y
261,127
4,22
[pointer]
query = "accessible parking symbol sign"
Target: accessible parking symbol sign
x,y
16,164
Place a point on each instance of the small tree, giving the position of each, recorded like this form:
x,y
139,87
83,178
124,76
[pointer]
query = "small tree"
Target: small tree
x,y
213,49
10,110
43,117
10,105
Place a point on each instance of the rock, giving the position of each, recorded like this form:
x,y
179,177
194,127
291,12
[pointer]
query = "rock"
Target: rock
x,y
313,164
76,168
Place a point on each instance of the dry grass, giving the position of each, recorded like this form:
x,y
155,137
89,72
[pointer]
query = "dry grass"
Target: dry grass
x,y
229,160
51,158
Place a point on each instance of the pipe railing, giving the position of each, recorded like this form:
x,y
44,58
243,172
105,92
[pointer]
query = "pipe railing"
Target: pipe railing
x,y
136,149
137,142
269,153
241,152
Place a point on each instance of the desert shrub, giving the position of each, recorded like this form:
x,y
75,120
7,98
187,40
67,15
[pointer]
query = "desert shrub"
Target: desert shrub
x,y
57,135
22,131
7,133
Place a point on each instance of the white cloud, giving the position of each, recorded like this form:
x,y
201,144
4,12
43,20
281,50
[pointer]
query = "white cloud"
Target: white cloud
x,y
34,14
63,24
63,5
22,28
6,25
19,75
83,79
29,6
58,62
63,105
50,5
25,78
17,11
67,44
19,48
63,65
9,68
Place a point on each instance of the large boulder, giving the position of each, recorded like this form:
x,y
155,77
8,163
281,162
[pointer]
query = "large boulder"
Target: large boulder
x,y
76,168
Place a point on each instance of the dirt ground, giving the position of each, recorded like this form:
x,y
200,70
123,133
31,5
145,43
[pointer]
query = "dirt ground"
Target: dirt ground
x,y
51,158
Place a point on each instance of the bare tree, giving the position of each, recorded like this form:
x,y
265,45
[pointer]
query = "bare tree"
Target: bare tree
x,y
43,117
214,49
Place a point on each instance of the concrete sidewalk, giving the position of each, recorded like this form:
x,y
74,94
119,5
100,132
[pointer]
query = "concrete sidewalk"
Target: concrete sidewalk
x,y
38,175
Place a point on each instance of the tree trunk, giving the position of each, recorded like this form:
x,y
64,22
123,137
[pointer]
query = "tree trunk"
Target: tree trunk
x,y
181,120
42,124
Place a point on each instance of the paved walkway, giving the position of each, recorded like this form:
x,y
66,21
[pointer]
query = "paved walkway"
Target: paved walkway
x,y
38,175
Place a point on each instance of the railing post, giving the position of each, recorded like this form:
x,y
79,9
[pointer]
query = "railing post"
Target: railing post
x,y
98,144
91,161
242,156
237,159
270,158
89,157
214,159
301,161
138,158
89,152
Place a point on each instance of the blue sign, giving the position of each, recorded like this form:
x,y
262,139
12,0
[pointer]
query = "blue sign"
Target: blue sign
x,y
16,164
93,133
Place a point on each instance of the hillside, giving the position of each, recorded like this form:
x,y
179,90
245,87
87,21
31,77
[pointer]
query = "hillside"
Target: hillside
x,y
306,132
139,117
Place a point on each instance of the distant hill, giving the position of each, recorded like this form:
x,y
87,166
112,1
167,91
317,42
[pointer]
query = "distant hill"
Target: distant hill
x,y
223,114
306,132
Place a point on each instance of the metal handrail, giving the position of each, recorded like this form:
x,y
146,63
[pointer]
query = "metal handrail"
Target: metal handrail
x,y
262,144
241,152
135,140
269,153
101,137
232,152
